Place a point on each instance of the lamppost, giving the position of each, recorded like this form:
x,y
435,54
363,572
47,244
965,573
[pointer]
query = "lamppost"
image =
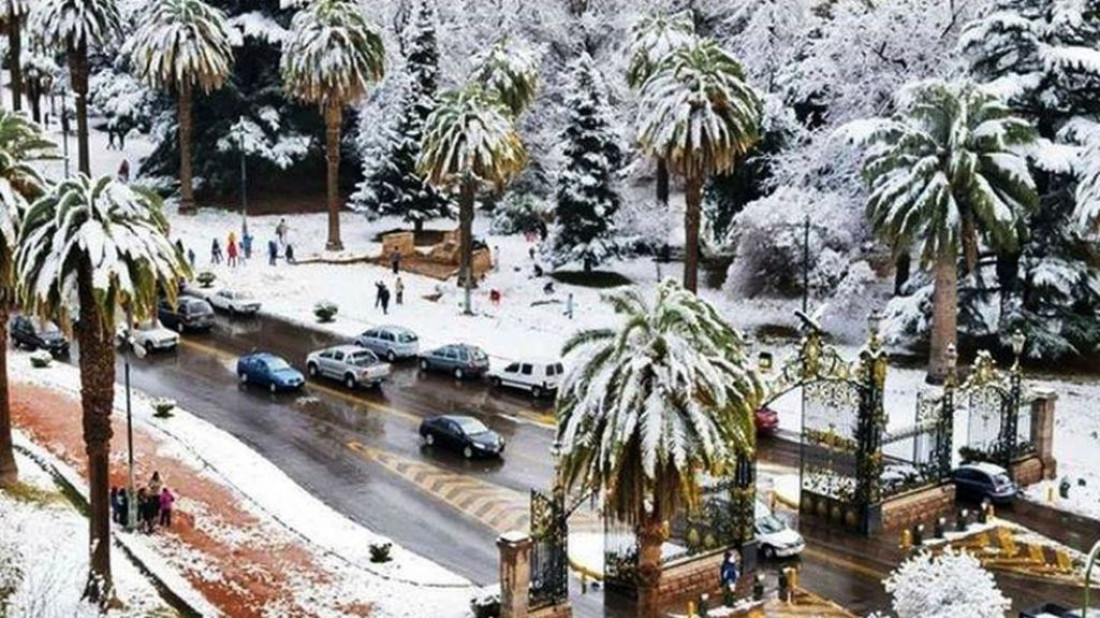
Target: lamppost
x,y
1011,423
240,132
131,500
65,128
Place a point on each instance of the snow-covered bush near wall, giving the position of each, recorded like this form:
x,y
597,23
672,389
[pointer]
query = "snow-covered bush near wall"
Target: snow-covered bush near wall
x,y
643,226
951,585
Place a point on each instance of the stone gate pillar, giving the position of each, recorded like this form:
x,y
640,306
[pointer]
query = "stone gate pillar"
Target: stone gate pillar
x,y
515,573
1042,430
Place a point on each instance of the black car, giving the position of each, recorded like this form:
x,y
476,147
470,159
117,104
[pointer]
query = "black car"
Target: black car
x,y
984,481
25,334
187,314
464,434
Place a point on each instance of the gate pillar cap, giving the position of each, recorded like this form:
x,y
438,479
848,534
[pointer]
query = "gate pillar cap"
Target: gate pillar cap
x,y
514,538
1044,393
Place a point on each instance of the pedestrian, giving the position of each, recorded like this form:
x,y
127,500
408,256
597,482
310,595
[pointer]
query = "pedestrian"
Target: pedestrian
x,y
378,294
155,483
399,291
142,509
280,231
531,252
496,258
215,252
231,249
728,572
246,245
538,270
124,171
494,297
122,131
191,258
115,511
152,510
124,507
569,305
272,251
548,289
167,499
395,261
290,254
179,248
110,138
543,231
385,292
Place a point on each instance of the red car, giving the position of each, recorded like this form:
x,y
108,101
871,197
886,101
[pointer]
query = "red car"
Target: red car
x,y
767,420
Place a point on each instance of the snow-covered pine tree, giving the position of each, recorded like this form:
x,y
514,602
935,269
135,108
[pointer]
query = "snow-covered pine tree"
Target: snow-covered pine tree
x,y
587,196
1043,56
391,186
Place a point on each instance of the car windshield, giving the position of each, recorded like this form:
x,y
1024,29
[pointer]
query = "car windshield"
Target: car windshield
x,y
198,308
240,295
406,337
49,328
769,524
361,359
277,364
471,426
477,354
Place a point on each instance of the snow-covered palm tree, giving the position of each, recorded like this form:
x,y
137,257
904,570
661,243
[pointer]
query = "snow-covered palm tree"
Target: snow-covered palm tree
x,y
652,39
104,245
700,115
946,173
74,26
648,406
21,142
469,143
14,13
179,45
510,70
333,53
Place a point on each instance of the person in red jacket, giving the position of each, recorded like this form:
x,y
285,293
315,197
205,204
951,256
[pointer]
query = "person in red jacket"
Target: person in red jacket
x,y
167,499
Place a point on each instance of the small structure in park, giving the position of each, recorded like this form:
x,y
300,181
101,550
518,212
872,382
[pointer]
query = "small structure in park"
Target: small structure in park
x,y
440,261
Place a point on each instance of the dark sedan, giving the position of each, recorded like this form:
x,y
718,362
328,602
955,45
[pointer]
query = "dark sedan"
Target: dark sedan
x,y
188,314
26,335
464,434
460,360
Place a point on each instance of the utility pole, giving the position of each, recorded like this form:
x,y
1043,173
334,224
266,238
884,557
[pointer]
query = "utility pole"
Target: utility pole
x,y
806,265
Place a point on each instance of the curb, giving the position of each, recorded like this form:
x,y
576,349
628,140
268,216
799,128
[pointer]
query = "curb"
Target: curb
x,y
72,493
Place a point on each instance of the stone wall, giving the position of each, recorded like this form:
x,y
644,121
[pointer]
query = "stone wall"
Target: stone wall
x,y
918,506
403,242
554,611
1042,432
1027,471
685,581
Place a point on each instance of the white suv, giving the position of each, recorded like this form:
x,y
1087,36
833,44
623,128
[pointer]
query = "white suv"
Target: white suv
x,y
540,376
149,335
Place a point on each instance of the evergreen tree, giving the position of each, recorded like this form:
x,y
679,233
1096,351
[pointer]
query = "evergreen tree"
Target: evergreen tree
x,y
392,186
587,196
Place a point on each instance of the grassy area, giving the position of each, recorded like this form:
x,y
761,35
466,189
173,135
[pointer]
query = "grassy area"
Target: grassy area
x,y
35,495
595,279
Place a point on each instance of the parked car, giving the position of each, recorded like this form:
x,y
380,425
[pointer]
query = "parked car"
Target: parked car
x,y
774,537
767,420
268,370
238,303
390,342
351,364
464,434
460,360
150,335
981,481
540,376
187,314
24,334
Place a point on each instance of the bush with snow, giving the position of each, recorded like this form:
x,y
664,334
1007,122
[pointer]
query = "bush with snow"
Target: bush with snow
x,y
325,311
643,226
518,213
950,585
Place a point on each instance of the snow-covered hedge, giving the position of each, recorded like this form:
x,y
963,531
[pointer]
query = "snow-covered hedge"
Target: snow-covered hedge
x,y
950,585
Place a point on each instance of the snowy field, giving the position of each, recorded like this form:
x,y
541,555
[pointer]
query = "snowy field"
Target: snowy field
x,y
46,539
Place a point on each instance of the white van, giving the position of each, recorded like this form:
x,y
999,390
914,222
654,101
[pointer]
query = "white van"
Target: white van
x,y
540,376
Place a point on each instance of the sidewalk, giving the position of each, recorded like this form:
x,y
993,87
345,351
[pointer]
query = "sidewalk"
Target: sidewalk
x,y
240,555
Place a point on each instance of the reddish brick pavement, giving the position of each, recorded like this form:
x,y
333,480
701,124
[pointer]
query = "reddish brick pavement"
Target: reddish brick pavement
x,y
254,568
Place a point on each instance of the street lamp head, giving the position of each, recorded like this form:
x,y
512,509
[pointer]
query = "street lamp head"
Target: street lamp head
x,y
1018,340
951,356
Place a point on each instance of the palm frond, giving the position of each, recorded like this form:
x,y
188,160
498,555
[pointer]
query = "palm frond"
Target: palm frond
x,y
509,70
74,23
653,38
183,41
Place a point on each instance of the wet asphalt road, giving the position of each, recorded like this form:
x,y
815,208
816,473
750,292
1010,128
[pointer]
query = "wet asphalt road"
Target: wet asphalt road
x,y
312,436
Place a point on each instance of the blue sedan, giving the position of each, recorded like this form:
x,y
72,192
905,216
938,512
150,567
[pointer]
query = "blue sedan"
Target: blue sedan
x,y
269,370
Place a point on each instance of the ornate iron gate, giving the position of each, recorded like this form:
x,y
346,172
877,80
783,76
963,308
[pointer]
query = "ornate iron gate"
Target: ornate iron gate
x,y
995,428
918,455
550,552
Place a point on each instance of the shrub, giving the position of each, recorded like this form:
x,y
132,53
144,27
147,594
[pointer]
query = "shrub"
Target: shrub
x,y
519,213
206,278
486,605
41,359
325,311
380,553
162,408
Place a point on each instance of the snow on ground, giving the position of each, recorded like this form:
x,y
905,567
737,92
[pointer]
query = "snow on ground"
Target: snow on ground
x,y
409,585
49,538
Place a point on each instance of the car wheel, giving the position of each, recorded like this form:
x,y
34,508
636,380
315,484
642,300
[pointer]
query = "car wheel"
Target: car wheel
x,y
149,347
459,373
495,382
311,369
429,439
349,381
271,387
468,452
391,357
423,364
243,378
536,392
179,327
769,552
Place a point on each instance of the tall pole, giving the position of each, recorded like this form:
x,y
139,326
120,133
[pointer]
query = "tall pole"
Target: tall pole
x,y
1088,575
131,501
244,179
806,264
65,129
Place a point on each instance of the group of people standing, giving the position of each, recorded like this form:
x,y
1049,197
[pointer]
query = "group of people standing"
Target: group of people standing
x,y
236,254
154,503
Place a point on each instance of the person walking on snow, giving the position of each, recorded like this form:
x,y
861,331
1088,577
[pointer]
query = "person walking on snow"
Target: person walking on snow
x,y
272,251
280,231
116,509
124,171
290,253
378,294
385,292
399,291
231,249
215,252
167,499
246,245
395,261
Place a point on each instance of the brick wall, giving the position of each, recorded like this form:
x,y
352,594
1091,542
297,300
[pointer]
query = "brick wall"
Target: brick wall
x,y
684,582
554,611
917,507
1027,472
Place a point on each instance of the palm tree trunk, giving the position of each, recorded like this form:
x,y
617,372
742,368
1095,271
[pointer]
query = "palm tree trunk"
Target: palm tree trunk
x,y
34,92
97,390
187,189
333,114
693,198
9,473
78,72
662,181
650,534
15,49
466,240
945,307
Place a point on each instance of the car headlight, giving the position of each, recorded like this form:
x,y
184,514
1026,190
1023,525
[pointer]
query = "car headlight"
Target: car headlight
x,y
480,446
